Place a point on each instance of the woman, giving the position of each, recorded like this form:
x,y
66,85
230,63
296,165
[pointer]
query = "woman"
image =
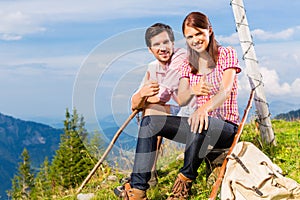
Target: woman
x,y
209,73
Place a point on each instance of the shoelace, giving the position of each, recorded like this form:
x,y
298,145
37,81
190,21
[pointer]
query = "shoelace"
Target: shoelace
x,y
180,188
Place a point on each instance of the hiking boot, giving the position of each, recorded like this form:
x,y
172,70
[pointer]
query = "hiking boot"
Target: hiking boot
x,y
119,191
181,188
153,180
127,193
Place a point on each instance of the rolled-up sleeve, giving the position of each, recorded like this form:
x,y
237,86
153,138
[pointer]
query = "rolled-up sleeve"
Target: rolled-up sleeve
x,y
185,69
229,59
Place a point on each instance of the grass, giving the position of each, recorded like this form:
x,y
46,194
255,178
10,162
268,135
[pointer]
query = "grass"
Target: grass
x,y
285,154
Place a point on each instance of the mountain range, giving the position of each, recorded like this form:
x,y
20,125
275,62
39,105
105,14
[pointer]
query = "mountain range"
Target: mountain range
x,y
290,116
15,134
42,141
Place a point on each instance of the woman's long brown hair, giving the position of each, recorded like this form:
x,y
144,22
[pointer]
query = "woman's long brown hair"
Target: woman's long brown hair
x,y
200,20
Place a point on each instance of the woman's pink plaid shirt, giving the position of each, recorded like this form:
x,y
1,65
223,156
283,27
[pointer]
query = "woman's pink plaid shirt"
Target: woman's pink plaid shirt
x,y
227,60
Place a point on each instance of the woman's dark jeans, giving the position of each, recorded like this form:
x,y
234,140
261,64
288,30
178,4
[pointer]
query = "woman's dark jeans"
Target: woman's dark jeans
x,y
219,135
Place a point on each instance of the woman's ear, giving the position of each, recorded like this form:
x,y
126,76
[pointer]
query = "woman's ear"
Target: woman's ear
x,y
210,30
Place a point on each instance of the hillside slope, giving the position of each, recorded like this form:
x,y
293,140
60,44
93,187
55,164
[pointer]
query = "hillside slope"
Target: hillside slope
x,y
285,155
40,140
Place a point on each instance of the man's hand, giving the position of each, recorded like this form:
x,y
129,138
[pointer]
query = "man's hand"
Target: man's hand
x,y
150,90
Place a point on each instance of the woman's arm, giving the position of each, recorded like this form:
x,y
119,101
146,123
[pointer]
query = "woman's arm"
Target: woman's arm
x,y
200,117
184,92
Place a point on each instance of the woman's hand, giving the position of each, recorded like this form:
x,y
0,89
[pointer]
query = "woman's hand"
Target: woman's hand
x,y
202,88
199,120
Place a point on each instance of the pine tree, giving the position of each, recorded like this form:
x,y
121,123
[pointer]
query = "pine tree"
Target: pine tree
x,y
42,182
72,161
23,181
96,145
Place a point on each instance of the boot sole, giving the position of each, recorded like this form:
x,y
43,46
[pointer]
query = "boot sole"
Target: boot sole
x,y
119,191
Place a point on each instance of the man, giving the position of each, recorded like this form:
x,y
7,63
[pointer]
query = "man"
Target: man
x,y
161,80
160,84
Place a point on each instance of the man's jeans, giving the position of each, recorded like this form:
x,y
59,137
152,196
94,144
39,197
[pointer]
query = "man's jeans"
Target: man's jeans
x,y
219,135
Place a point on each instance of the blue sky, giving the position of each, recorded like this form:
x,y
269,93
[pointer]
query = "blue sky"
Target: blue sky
x,y
91,54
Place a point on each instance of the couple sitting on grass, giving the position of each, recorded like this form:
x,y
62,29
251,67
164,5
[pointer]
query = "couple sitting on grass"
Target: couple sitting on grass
x,y
207,73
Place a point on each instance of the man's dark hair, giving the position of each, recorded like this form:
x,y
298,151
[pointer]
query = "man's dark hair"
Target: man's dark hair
x,y
156,29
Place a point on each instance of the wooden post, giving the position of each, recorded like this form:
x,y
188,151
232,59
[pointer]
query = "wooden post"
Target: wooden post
x,y
255,78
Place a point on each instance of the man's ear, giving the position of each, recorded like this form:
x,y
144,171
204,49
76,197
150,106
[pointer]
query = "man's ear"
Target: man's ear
x,y
149,49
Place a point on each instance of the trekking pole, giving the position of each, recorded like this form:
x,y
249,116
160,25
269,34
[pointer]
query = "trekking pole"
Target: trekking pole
x,y
218,182
118,133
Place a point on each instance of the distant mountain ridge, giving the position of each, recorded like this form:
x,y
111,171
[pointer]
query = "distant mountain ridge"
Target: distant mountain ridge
x,y
290,116
280,107
39,139
110,125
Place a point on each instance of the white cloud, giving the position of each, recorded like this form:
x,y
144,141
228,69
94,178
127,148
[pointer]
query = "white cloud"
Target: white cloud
x,y
51,68
19,18
272,84
295,87
262,35
9,37
231,40
15,24
265,35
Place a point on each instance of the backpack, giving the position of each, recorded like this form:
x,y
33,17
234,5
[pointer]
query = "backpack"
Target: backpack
x,y
251,175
